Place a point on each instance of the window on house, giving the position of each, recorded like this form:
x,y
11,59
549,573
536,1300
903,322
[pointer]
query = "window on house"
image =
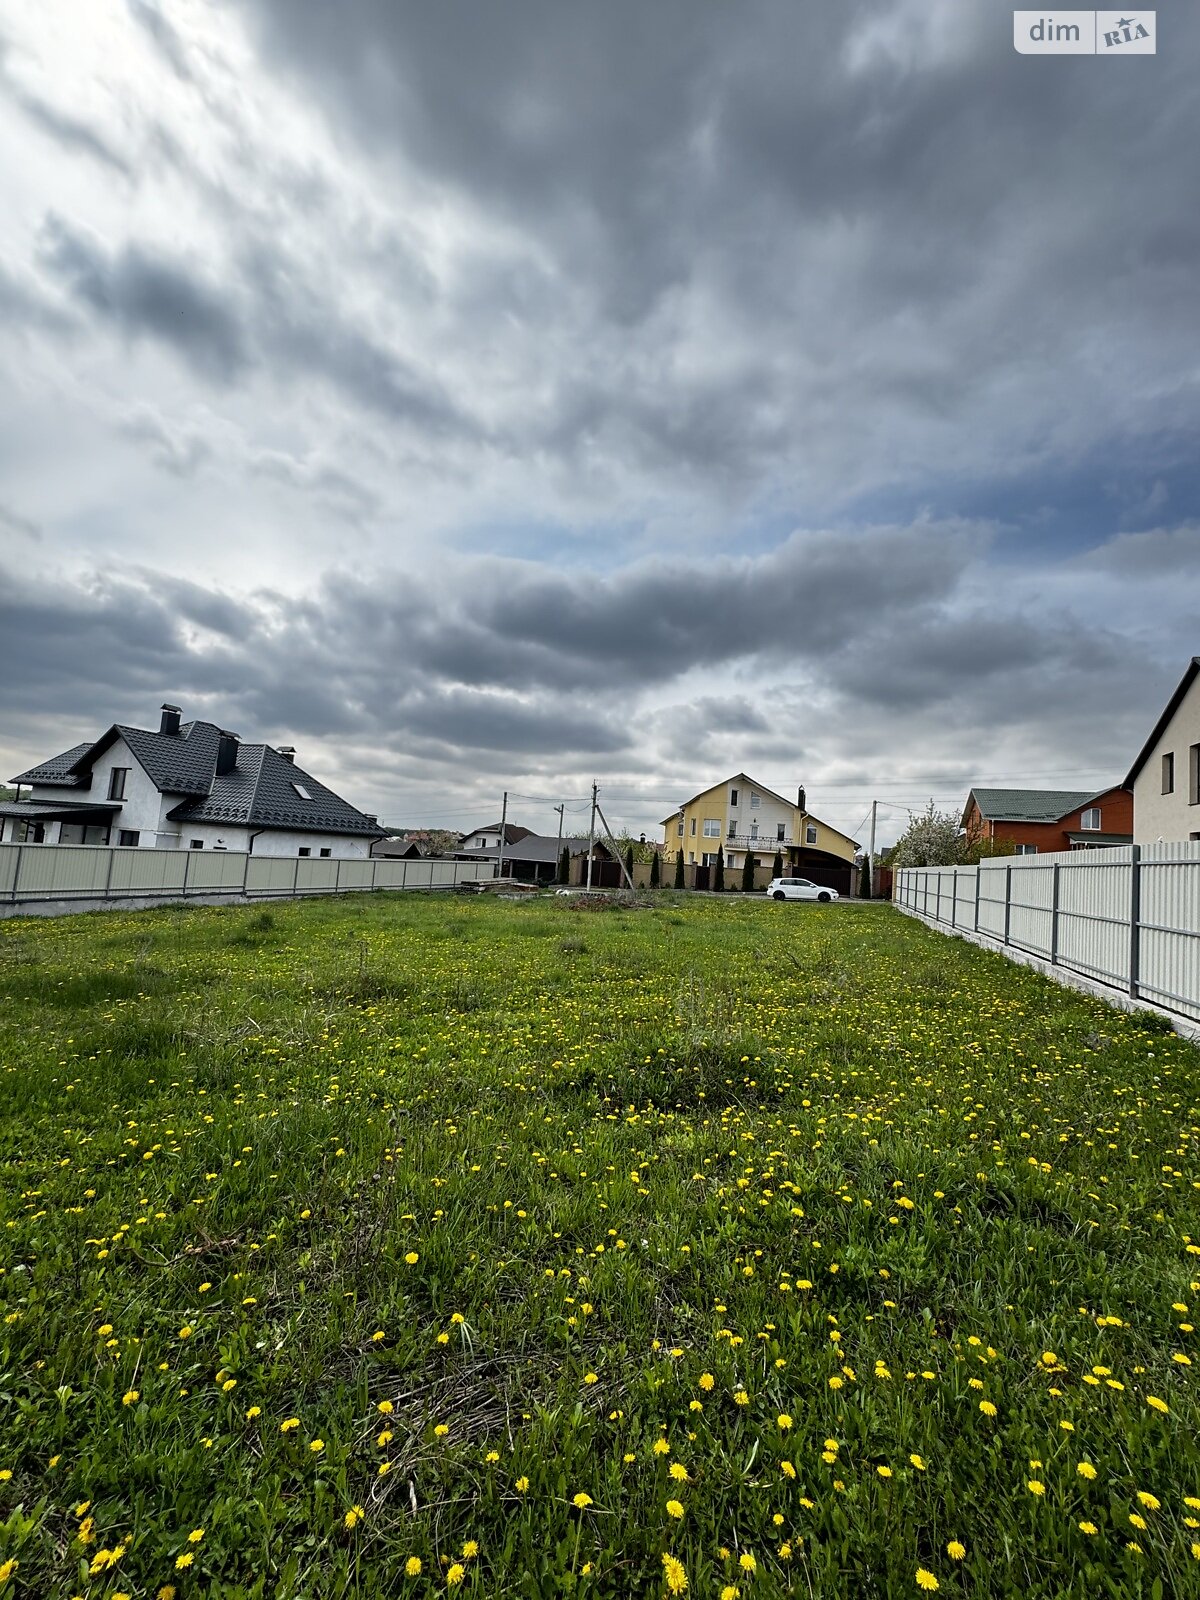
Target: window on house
x,y
754,798
733,828
1194,775
1168,772
1090,820
116,783
754,830
679,830
302,791
29,833
810,833
195,844
693,827
733,797
128,836
1027,850
304,850
326,851
712,827
691,855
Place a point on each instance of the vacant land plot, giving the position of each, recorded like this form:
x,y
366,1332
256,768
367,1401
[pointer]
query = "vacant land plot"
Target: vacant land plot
x,y
389,1248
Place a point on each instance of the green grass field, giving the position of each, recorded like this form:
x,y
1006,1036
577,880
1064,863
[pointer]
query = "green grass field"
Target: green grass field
x,y
404,1246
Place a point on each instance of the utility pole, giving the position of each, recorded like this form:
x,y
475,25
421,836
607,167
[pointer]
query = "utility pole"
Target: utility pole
x,y
503,821
591,835
615,848
560,810
871,851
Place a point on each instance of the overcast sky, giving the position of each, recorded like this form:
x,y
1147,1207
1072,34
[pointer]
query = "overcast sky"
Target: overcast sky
x,y
502,395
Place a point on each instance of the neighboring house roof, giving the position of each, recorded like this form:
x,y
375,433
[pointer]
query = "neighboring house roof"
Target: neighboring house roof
x,y
1029,805
1160,727
724,783
512,832
58,770
260,792
49,810
543,847
398,849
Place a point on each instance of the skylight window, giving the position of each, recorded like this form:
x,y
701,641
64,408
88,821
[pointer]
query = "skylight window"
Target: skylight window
x,y
302,791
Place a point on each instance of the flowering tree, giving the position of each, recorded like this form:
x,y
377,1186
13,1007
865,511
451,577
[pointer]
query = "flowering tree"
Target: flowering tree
x,y
932,839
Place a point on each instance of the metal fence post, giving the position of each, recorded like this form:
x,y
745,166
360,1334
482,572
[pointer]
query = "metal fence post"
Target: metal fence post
x,y
296,878
1054,870
1007,901
246,875
1135,918
112,856
954,897
978,876
17,870
187,868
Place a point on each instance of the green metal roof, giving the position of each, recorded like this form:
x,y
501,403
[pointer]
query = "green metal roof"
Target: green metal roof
x,y
1029,805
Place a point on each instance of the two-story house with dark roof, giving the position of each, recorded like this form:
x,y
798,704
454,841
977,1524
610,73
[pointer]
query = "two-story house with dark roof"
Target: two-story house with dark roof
x,y
189,786
1034,821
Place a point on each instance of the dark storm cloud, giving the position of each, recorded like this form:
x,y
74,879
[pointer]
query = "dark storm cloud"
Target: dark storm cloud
x,y
143,294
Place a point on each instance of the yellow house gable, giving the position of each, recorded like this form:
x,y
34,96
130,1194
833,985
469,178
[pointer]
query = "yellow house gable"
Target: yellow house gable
x,y
738,815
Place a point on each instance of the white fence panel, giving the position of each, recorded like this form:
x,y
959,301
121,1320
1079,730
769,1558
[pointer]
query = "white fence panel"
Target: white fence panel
x,y
1126,918
9,856
56,871
211,870
315,875
356,875
1169,935
271,874
1031,904
147,871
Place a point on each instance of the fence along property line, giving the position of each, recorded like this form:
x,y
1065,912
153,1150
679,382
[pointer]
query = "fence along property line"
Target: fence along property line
x,y
1125,919
41,872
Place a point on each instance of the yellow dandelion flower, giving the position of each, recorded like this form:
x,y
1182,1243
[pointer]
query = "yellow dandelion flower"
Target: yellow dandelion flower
x,y
184,1561
1151,1502
1085,1469
747,1562
926,1580
675,1575
386,1407
1159,1405
784,1421
522,1485
987,1408
582,1501
289,1424
412,1258
956,1550
129,1397
455,1575
918,1462
317,1446
470,1550
412,1567
679,1472
674,1509
1036,1487
1088,1528
707,1381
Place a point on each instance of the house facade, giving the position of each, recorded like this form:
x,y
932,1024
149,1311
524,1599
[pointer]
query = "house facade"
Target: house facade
x,y
1165,778
740,816
489,838
188,786
1038,820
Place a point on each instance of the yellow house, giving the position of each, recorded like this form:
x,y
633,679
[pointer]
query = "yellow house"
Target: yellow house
x,y
740,815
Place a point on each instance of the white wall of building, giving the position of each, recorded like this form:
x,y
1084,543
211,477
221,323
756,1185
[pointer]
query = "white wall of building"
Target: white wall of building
x,y
1171,816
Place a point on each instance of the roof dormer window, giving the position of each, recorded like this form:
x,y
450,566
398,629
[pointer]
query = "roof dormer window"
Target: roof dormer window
x,y
302,791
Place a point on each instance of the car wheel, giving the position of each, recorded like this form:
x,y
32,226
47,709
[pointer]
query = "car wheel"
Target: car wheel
x,y
779,895
824,899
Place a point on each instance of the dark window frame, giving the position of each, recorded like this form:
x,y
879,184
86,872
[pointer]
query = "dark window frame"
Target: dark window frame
x,y
1168,772
117,779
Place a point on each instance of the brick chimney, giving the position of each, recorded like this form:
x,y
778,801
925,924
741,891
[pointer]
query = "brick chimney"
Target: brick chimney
x,y
227,749
800,802
169,722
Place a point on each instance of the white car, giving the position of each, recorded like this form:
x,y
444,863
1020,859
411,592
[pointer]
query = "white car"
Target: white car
x,y
799,889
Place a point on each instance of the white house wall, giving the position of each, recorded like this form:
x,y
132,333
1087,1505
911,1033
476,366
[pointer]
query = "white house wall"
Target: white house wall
x,y
1169,817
